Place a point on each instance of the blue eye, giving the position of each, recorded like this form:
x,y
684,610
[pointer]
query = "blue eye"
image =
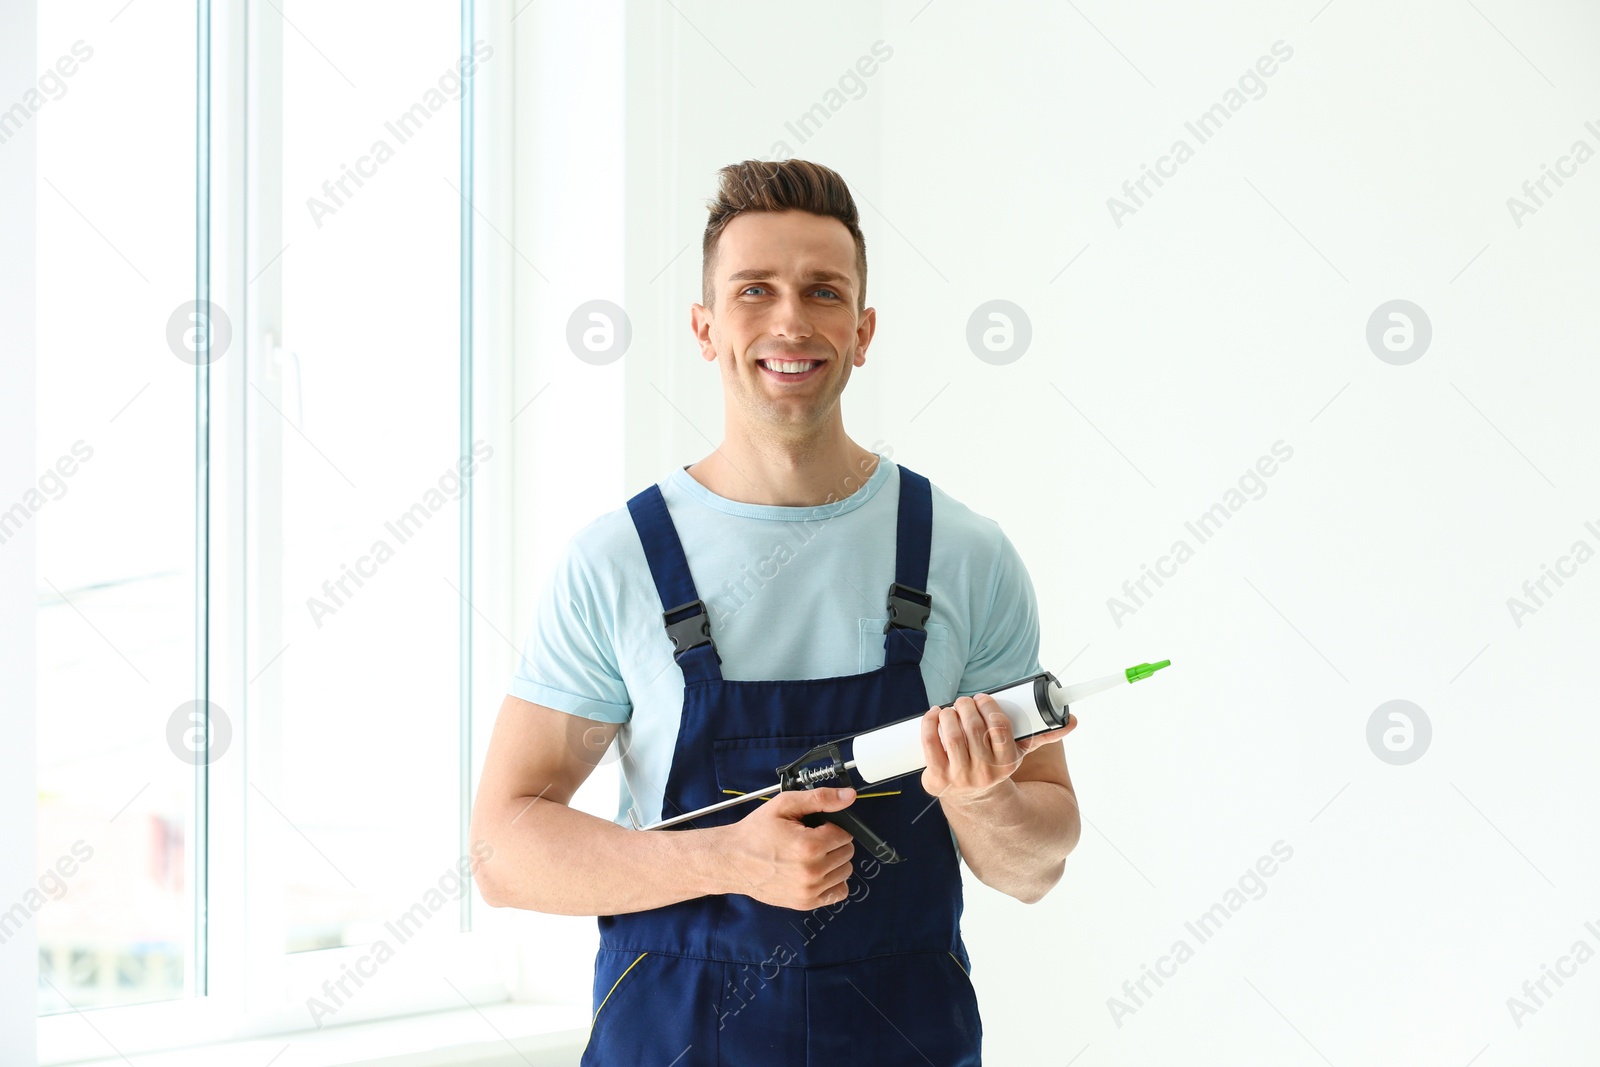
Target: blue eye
x,y
830,292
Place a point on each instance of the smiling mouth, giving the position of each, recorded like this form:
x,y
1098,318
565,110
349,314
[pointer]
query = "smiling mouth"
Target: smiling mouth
x,y
789,369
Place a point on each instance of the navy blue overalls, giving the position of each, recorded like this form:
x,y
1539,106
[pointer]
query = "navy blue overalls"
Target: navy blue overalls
x,y
880,977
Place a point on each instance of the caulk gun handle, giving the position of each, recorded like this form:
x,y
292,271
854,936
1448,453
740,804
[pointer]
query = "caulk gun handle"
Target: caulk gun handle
x,y
851,824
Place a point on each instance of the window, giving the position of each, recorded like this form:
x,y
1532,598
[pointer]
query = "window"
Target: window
x,y
260,554
118,554
366,547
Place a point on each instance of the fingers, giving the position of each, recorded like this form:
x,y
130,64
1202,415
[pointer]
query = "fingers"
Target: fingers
x,y
973,732
933,752
953,735
837,880
999,742
841,854
822,799
837,798
1030,743
982,732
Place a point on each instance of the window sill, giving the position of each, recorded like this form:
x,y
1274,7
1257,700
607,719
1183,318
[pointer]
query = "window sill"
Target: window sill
x,y
523,1035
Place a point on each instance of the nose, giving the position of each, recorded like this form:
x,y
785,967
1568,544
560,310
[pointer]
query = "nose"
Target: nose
x,y
789,318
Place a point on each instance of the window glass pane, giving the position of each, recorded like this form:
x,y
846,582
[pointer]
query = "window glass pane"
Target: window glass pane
x,y
115,510
371,489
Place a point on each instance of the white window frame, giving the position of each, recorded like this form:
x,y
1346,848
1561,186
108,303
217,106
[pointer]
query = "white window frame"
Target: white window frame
x,y
18,565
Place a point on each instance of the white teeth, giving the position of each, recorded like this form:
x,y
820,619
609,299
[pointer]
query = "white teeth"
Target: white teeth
x,y
788,367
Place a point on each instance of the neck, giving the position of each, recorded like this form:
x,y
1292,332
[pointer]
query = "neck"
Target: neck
x,y
754,468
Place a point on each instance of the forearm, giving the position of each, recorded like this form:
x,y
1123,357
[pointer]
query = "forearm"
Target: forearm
x,y
551,858
1017,837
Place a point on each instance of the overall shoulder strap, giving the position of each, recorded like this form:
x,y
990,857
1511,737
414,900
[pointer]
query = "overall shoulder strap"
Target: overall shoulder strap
x,y
684,614
905,634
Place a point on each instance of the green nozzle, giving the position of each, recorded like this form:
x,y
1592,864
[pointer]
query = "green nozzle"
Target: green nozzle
x,y
1145,670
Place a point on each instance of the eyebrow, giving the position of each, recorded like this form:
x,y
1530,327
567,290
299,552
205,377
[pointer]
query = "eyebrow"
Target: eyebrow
x,y
761,275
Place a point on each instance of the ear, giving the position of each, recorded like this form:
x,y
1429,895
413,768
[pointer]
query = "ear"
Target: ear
x,y
864,331
700,322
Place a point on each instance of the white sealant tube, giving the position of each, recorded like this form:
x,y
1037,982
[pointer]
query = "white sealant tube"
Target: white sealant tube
x,y
1033,706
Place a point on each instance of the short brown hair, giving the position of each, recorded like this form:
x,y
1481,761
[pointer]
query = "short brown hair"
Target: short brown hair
x,y
784,185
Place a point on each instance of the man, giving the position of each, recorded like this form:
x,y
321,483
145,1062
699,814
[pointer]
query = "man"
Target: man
x,y
726,621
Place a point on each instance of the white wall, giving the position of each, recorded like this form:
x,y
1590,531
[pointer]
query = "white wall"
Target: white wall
x,y
18,956
1227,313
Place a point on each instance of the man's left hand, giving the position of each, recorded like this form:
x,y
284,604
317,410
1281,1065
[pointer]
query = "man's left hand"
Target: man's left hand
x,y
970,751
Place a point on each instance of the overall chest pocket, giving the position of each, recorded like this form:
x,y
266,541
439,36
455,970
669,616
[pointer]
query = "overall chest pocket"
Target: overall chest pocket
x,y
750,764
938,654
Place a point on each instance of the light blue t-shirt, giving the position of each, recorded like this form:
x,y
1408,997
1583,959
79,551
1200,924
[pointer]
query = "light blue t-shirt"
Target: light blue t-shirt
x,y
793,592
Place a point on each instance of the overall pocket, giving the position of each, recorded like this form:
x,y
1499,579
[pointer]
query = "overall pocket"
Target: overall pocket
x,y
750,764
653,1007
607,962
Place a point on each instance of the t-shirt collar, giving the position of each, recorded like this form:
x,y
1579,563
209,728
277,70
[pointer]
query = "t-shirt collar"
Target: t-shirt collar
x,y
684,482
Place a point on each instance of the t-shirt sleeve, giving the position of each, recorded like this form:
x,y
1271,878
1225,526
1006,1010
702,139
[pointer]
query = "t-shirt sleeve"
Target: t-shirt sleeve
x,y
1005,644
568,662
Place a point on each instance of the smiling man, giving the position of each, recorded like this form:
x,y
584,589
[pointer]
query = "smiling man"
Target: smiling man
x,y
789,589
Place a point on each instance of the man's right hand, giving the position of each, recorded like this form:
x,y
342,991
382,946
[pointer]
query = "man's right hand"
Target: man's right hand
x,y
777,859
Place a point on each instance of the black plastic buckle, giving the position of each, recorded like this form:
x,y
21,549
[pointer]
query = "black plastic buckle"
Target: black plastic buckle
x,y
691,631
909,608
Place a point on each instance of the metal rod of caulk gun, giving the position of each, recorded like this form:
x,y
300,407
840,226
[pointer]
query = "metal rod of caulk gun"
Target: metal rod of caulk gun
x,y
1034,705
723,805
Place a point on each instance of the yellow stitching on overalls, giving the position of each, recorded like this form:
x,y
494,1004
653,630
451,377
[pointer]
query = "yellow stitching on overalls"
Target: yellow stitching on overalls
x,y
613,989
887,793
958,964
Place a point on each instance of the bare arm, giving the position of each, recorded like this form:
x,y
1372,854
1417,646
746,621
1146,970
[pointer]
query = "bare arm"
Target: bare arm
x,y
1016,839
548,857
1010,803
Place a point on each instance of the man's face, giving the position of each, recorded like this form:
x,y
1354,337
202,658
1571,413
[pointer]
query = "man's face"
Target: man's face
x,y
785,327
